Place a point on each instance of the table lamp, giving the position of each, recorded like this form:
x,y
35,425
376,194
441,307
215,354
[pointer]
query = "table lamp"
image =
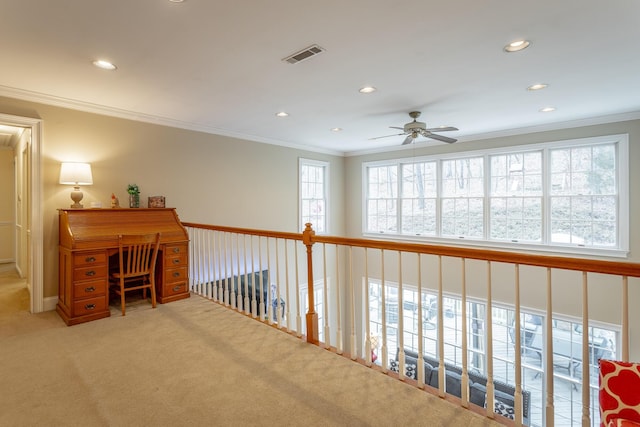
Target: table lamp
x,y
76,174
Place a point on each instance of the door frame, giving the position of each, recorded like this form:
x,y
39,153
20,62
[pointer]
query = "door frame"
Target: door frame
x,y
36,202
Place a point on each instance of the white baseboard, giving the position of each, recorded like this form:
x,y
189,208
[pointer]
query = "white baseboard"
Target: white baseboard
x,y
49,303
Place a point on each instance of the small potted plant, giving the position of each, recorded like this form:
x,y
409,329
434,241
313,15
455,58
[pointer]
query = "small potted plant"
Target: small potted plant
x,y
134,196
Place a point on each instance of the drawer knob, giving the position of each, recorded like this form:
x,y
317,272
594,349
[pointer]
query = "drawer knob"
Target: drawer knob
x,y
176,261
89,289
90,273
90,259
176,288
89,306
176,250
176,274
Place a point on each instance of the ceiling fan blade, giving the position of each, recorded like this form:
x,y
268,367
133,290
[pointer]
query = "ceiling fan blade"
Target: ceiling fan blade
x,y
442,129
396,127
439,137
386,136
408,140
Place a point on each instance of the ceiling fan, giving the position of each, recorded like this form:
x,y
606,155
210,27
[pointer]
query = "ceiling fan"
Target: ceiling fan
x,y
415,128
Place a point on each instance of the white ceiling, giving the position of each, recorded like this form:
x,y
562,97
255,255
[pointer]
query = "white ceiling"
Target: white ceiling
x,y
216,66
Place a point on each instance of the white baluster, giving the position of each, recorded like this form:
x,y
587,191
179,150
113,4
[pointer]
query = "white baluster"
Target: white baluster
x,y
489,346
400,331
384,349
352,306
246,303
286,272
260,279
298,316
518,348
420,367
441,368
586,369
254,303
367,326
339,346
465,363
325,306
547,366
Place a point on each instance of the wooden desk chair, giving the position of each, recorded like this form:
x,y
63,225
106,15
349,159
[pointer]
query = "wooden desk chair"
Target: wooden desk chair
x,y
137,256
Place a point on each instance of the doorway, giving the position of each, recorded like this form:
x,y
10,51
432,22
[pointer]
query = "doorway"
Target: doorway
x,y
29,206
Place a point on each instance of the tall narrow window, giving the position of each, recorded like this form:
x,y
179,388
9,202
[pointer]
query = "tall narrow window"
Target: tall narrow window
x,y
515,210
419,196
463,198
382,203
584,196
314,194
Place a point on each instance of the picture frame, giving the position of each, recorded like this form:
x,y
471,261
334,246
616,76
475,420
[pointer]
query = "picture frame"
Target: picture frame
x,y
156,202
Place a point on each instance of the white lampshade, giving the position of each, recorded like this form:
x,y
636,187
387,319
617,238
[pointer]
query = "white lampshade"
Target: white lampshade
x,y
76,174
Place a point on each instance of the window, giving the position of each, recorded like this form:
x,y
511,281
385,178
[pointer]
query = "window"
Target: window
x,y
462,197
583,195
515,197
314,194
382,199
568,194
566,337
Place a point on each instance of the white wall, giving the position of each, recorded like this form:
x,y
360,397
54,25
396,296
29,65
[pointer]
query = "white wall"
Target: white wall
x,y
207,178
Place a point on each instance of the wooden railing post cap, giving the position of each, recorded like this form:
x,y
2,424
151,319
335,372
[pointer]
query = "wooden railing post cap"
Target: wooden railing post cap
x,y
308,234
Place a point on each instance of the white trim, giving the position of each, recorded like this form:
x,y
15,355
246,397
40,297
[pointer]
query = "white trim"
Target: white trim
x,y
326,190
36,203
622,178
149,118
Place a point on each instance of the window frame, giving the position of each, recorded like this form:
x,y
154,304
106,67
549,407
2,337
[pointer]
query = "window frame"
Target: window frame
x,y
501,363
324,165
621,142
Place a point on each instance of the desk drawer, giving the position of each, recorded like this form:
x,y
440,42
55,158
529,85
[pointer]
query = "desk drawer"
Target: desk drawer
x,y
89,306
177,250
175,289
89,289
173,275
176,260
90,273
89,258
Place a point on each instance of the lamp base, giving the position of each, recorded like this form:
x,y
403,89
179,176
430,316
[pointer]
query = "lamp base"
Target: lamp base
x,y
76,196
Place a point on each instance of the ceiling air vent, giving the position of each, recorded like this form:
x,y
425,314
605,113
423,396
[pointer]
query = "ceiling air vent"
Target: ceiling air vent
x,y
304,54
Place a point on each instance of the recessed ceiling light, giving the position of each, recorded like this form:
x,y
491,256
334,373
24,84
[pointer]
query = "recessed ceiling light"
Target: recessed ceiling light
x,y
176,1
282,114
105,65
336,129
367,89
517,45
547,109
537,86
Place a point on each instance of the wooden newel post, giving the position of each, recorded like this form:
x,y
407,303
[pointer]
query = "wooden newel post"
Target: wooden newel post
x,y
312,316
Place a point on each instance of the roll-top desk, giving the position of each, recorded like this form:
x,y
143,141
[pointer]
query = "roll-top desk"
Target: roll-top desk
x,y
88,238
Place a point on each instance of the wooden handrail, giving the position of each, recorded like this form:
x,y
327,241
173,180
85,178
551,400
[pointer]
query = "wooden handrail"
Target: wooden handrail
x,y
264,233
566,263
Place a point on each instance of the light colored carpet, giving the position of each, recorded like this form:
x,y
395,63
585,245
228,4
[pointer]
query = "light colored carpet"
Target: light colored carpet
x,y
190,363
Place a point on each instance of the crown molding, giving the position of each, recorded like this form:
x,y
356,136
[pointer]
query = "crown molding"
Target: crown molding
x,y
87,107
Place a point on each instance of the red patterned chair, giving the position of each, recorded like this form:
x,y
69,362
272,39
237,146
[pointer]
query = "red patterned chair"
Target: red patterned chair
x,y
619,393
